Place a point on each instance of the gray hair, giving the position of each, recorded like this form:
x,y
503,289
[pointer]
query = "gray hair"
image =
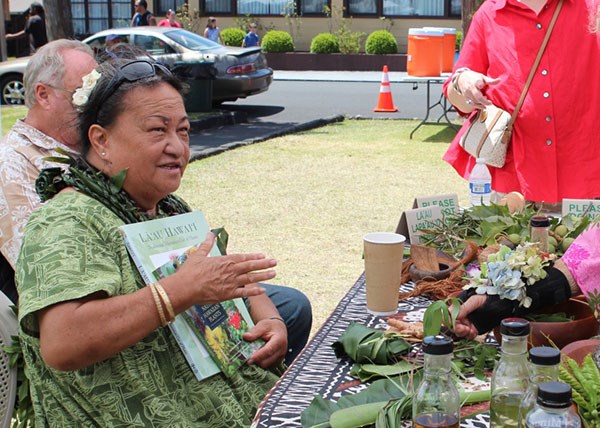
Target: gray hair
x,y
47,65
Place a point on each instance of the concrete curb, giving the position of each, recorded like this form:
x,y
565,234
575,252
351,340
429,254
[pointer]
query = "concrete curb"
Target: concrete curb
x,y
218,118
289,130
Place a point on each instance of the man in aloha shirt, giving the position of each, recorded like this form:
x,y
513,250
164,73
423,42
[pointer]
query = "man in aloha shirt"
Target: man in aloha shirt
x,y
51,76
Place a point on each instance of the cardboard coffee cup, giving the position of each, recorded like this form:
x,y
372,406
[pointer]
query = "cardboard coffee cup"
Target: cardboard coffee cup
x,y
383,269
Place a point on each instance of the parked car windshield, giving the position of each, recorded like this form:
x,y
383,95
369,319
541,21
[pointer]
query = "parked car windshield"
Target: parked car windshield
x,y
191,40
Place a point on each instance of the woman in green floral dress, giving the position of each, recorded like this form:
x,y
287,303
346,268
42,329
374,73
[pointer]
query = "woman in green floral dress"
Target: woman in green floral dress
x,y
97,351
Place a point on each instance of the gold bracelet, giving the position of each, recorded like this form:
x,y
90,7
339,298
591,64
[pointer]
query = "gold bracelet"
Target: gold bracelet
x,y
166,301
157,302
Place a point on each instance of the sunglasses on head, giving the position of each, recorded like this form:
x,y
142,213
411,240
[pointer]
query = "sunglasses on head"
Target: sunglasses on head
x,y
132,72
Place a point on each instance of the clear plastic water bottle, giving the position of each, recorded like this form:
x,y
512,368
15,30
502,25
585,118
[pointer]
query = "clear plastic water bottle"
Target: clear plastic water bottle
x,y
510,378
553,408
543,367
480,184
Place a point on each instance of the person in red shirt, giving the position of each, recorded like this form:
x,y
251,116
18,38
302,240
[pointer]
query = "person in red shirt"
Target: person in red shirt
x,y
554,152
170,20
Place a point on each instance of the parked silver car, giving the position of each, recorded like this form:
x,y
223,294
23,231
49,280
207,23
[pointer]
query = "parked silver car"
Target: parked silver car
x,y
11,81
240,72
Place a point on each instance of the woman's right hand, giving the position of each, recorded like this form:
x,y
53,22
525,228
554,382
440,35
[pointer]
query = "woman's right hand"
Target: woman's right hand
x,y
463,327
216,279
466,90
471,85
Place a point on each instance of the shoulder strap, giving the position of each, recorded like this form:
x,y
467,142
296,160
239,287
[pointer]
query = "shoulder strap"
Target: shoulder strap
x,y
535,64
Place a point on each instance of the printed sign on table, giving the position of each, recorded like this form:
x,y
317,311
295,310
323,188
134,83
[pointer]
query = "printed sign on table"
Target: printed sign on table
x,y
447,202
413,220
581,207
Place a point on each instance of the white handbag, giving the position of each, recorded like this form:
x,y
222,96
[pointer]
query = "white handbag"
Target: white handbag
x,y
488,135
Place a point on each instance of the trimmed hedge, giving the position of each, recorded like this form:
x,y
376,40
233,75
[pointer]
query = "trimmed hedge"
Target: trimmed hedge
x,y
233,36
277,41
324,43
381,42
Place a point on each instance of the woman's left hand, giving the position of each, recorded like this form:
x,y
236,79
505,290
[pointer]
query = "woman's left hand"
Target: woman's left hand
x,y
274,333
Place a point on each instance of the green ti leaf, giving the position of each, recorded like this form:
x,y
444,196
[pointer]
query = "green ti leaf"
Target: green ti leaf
x,y
117,180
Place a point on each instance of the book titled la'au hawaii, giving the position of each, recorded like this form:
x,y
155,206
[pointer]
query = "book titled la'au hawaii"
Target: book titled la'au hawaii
x,y
210,336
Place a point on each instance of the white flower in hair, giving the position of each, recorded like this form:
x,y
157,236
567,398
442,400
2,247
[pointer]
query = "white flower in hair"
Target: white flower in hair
x,y
81,95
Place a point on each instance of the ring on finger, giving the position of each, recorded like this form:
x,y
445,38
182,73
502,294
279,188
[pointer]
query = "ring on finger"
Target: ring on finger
x,y
469,102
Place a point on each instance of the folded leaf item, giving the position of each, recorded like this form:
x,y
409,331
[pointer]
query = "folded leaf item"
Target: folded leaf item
x,y
366,372
552,290
363,344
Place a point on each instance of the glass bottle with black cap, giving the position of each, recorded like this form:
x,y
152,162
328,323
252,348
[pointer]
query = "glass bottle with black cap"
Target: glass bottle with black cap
x,y
553,408
436,401
510,378
543,367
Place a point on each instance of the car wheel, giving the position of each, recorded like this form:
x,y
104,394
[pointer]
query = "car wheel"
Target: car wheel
x,y
13,91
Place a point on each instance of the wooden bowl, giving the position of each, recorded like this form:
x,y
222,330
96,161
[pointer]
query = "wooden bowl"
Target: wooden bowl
x,y
579,349
583,326
446,262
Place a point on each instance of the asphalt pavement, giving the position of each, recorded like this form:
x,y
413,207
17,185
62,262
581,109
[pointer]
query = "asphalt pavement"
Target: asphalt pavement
x,y
275,112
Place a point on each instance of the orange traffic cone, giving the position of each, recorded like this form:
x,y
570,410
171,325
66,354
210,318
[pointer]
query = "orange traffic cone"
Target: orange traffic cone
x,y
385,103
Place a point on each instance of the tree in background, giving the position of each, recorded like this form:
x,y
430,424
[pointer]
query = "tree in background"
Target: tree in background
x,y
59,20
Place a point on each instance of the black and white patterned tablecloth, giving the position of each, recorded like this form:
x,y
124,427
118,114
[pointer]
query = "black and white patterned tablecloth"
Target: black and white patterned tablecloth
x,y
317,370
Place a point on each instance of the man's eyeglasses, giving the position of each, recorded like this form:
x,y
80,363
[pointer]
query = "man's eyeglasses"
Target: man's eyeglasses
x,y
132,72
58,88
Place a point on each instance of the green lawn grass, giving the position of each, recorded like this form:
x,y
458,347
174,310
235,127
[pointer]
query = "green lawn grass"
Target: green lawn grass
x,y
9,115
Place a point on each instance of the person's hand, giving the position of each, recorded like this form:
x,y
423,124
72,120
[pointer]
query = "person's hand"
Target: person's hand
x,y
216,279
274,333
463,327
472,84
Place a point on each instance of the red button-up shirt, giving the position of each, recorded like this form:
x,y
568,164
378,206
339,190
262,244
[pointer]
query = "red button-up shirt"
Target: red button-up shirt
x,y
555,148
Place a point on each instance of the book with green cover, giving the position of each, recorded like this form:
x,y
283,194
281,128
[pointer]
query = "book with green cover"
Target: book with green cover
x,y
157,243
221,325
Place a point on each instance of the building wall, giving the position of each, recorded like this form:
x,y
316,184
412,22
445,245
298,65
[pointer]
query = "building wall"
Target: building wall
x,y
311,26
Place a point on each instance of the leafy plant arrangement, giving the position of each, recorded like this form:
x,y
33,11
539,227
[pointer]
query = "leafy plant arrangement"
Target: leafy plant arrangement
x,y
438,313
584,382
507,272
474,358
491,224
470,357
